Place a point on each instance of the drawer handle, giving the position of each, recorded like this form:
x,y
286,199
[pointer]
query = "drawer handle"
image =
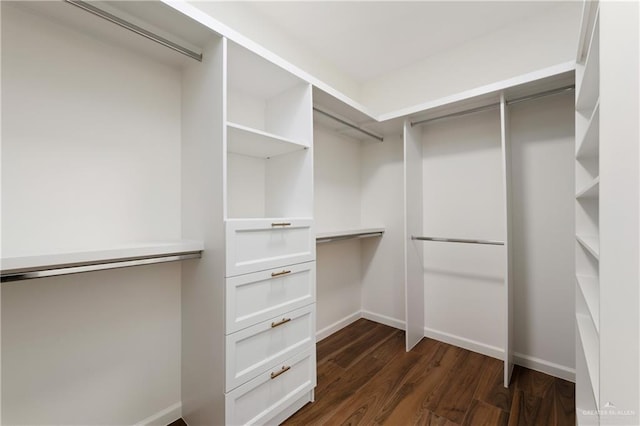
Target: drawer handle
x,y
281,224
277,274
284,369
282,321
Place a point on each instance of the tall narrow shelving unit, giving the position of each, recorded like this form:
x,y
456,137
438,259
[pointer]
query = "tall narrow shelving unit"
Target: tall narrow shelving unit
x,y
270,253
587,211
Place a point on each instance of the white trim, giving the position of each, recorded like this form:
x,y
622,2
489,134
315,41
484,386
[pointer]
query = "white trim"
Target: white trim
x,y
463,342
495,87
546,367
338,325
383,319
164,417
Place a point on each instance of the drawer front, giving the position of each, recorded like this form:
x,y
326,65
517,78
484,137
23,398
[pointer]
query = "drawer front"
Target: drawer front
x,y
256,297
259,400
259,244
253,350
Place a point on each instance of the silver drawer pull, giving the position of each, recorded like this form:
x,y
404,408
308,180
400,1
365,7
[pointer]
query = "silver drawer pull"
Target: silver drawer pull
x,y
281,224
282,321
284,369
277,274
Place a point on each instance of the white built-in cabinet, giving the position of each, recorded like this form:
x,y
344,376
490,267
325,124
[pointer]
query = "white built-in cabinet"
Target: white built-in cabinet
x,y
606,209
269,241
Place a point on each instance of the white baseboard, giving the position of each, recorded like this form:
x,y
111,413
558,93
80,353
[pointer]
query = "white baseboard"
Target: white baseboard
x,y
465,343
164,417
383,319
546,367
338,325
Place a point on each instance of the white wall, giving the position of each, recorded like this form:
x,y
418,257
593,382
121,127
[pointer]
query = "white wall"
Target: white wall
x,y
90,157
542,155
95,348
337,191
382,205
463,198
521,48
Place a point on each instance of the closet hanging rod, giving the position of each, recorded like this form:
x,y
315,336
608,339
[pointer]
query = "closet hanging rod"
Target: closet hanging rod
x,y
558,91
320,240
86,6
346,123
91,267
459,240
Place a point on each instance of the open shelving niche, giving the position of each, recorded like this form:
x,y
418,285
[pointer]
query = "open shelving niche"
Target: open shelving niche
x,y
268,139
348,126
587,211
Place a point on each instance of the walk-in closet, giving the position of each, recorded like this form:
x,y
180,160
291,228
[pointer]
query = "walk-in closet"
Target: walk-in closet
x,y
234,213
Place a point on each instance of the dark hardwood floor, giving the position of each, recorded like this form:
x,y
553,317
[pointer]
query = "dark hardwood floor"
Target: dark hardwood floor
x,y
365,377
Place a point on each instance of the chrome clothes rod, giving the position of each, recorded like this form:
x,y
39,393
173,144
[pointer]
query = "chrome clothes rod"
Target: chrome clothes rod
x,y
135,28
558,91
96,266
348,237
346,123
459,240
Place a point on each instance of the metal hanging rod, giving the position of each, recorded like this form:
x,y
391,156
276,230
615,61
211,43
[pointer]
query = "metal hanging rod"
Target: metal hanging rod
x,y
346,123
321,240
559,91
459,240
91,267
135,28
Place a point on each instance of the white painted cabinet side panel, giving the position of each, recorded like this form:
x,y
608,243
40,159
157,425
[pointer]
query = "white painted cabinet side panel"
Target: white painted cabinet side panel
x,y
619,211
414,253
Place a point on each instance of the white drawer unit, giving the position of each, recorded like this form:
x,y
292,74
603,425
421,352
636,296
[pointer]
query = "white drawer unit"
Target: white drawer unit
x,y
267,344
263,398
256,297
259,244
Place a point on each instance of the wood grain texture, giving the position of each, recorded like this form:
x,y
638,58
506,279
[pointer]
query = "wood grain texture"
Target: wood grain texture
x,y
365,377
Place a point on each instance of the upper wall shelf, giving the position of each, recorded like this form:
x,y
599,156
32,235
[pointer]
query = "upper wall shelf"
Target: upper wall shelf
x,y
65,263
326,237
257,143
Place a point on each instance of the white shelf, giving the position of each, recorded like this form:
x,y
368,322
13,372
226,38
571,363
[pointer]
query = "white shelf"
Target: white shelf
x,y
588,87
108,258
591,244
325,237
589,144
592,190
257,143
591,349
589,287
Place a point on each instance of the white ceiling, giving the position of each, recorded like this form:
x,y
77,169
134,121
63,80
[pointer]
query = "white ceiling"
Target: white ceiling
x,y
367,39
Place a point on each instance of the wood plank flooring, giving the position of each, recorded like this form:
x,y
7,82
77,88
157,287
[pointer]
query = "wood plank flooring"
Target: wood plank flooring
x,y
365,377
